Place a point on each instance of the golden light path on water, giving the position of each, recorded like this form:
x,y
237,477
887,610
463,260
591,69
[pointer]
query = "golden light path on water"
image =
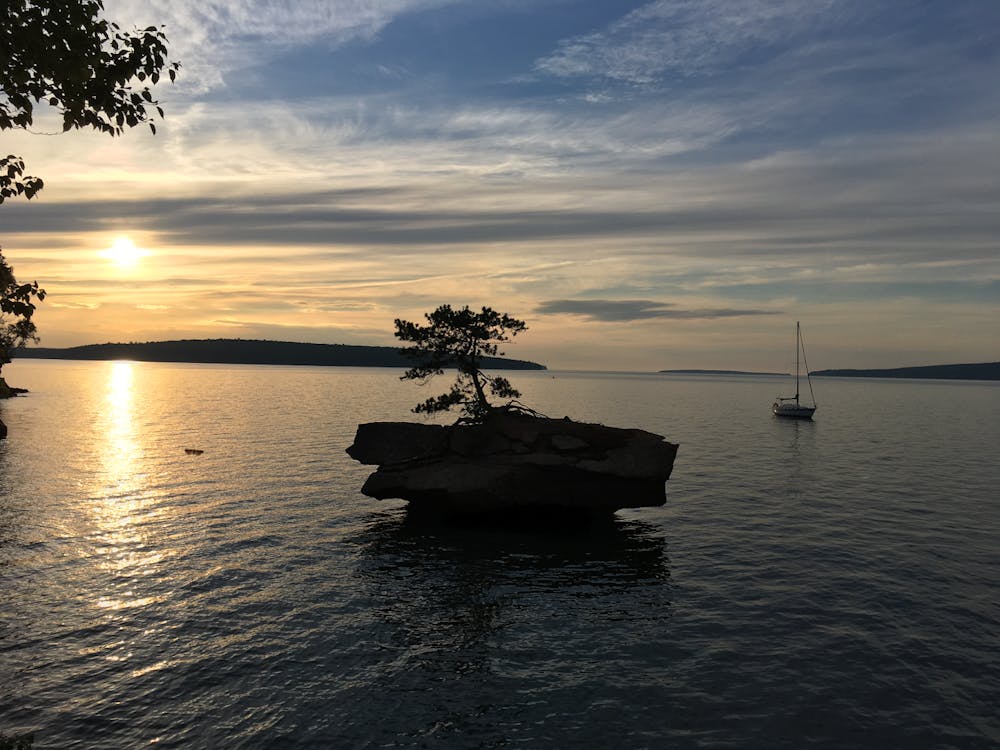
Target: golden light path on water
x,y
122,509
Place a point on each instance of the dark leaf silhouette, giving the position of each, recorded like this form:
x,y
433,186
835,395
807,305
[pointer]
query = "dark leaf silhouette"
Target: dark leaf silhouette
x,y
17,305
44,47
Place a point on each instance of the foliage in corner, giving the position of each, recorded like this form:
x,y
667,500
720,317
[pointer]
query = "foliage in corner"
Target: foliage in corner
x,y
63,54
459,339
17,305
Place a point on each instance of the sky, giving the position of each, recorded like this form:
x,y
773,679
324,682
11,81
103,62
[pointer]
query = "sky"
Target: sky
x,y
649,185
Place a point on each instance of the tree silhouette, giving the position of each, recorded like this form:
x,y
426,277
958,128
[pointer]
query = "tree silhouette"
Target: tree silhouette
x,y
63,54
17,305
459,339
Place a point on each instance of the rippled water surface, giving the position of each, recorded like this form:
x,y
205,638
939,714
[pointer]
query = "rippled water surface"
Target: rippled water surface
x,y
826,584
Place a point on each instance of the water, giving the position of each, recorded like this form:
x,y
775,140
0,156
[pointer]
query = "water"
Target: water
x,y
826,584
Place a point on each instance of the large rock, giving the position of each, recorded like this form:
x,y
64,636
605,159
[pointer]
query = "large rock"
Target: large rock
x,y
514,460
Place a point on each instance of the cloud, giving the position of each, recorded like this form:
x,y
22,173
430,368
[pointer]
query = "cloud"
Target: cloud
x,y
685,38
213,38
606,310
884,199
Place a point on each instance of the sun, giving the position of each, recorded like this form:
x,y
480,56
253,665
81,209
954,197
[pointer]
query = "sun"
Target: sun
x,y
123,252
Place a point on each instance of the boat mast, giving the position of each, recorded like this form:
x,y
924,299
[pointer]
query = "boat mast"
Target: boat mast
x,y
798,338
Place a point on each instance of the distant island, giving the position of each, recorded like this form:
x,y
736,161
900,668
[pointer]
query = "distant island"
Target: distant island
x,y
980,371
253,352
719,372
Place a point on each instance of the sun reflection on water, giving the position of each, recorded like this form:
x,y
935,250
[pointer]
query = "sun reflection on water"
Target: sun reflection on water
x,y
120,455
122,501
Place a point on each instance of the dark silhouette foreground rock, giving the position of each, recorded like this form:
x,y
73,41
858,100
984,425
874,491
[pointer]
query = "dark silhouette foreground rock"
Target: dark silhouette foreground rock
x,y
9,391
514,461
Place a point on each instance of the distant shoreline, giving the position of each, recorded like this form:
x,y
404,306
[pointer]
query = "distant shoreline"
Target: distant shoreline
x,y
252,352
265,352
721,372
974,371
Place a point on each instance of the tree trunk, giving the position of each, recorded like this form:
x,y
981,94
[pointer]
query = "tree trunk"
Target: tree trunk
x,y
474,372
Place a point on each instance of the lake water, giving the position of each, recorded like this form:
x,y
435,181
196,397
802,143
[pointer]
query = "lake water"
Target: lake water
x,y
833,583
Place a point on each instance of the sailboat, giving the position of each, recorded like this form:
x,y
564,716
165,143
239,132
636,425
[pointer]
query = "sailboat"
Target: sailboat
x,y
790,406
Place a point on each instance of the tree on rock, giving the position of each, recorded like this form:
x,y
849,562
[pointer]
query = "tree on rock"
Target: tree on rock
x,y
459,339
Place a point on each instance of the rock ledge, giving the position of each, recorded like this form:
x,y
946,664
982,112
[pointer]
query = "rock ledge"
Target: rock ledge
x,y
514,461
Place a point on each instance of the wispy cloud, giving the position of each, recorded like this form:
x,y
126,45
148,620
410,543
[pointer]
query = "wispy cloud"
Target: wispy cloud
x,y
880,200
687,38
617,311
215,38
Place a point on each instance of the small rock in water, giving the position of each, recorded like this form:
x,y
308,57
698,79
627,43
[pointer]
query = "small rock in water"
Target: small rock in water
x,y
193,451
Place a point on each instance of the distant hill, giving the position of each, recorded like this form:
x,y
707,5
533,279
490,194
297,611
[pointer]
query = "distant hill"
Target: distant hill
x,y
981,371
253,352
719,372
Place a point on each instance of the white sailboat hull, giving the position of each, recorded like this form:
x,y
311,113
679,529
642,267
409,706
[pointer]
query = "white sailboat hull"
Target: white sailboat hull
x,y
795,411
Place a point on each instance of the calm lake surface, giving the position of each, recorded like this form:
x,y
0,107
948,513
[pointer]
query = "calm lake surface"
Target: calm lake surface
x,y
825,584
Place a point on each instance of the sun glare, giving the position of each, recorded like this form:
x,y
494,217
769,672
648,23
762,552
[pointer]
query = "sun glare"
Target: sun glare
x,y
123,252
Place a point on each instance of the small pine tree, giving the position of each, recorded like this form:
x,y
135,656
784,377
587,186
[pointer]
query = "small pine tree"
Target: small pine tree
x,y
459,339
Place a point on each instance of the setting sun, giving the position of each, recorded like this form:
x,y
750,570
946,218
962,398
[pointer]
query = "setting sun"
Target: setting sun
x,y
123,252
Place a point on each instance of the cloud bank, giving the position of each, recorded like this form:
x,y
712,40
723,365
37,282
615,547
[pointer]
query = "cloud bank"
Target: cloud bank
x,y
618,311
